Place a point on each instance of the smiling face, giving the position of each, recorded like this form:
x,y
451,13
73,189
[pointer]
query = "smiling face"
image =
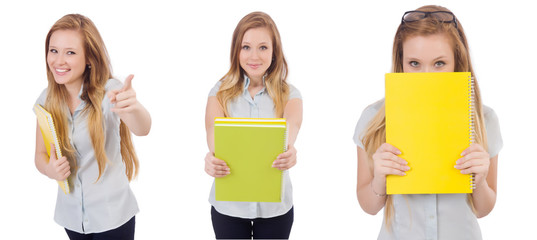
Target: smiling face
x,y
431,53
65,57
256,52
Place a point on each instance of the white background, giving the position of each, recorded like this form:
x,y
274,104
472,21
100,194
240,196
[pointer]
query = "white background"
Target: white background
x,y
337,53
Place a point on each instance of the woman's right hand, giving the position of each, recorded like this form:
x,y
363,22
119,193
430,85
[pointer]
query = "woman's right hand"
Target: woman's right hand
x,y
386,162
57,169
215,167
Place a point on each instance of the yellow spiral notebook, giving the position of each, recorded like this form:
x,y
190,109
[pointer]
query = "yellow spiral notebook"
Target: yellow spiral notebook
x,y
249,146
429,117
48,130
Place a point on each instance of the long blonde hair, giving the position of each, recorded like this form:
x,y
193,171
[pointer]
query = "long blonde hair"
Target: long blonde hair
x,y
276,75
94,81
375,134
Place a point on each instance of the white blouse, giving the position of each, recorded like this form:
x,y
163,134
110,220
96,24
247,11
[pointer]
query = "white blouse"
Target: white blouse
x,y
432,216
261,106
94,207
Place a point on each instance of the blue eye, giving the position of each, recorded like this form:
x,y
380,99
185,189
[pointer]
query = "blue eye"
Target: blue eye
x,y
263,47
439,64
245,47
414,64
70,53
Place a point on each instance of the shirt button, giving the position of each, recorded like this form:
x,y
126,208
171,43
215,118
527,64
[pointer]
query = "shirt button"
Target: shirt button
x,y
431,217
77,185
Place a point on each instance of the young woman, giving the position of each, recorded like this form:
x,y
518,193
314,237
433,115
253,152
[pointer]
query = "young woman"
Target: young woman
x,y
94,117
254,87
430,39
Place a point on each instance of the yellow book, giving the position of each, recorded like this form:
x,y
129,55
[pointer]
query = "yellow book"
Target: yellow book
x,y
429,117
48,130
249,146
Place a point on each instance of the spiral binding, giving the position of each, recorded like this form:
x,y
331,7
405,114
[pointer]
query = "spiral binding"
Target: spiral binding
x,y
471,114
285,137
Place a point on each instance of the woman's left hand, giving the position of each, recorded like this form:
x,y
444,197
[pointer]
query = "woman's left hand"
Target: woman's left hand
x,y
475,160
129,109
285,160
124,99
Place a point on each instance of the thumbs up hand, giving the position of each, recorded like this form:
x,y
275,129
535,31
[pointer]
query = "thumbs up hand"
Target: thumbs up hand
x,y
125,98
57,169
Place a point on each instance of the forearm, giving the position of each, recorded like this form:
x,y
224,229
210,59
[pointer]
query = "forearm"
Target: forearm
x,y
293,133
367,196
484,199
293,117
210,139
41,163
138,120
212,111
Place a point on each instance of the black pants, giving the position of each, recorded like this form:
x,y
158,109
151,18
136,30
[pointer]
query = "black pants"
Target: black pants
x,y
226,227
123,232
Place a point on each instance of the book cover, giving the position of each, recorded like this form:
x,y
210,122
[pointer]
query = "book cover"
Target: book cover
x,y
249,146
429,117
48,130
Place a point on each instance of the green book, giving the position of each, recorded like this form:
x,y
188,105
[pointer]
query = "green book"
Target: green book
x,y
249,146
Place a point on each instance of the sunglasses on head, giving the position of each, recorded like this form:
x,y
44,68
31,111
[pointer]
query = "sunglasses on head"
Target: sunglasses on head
x,y
442,16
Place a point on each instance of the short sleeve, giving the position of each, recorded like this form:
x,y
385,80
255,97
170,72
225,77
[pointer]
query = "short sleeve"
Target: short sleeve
x,y
215,89
367,115
294,93
494,136
42,98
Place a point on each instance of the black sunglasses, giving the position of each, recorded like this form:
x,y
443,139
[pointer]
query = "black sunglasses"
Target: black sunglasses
x,y
442,16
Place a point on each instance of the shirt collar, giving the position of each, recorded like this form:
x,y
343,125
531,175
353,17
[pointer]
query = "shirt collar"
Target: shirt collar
x,y
82,102
247,84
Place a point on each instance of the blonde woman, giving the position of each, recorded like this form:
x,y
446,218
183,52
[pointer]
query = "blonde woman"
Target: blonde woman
x,y
254,87
94,116
429,39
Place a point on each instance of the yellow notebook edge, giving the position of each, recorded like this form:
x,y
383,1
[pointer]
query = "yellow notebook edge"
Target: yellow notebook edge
x,y
64,185
471,88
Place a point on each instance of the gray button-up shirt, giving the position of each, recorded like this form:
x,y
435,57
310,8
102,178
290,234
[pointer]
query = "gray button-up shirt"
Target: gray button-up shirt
x,y
432,216
260,106
100,206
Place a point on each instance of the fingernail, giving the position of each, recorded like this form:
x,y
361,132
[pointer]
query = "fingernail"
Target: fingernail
x,y
407,168
403,174
398,152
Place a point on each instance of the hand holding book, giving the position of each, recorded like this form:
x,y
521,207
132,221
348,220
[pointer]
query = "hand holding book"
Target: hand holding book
x,y
57,169
53,168
475,160
386,162
215,167
285,160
